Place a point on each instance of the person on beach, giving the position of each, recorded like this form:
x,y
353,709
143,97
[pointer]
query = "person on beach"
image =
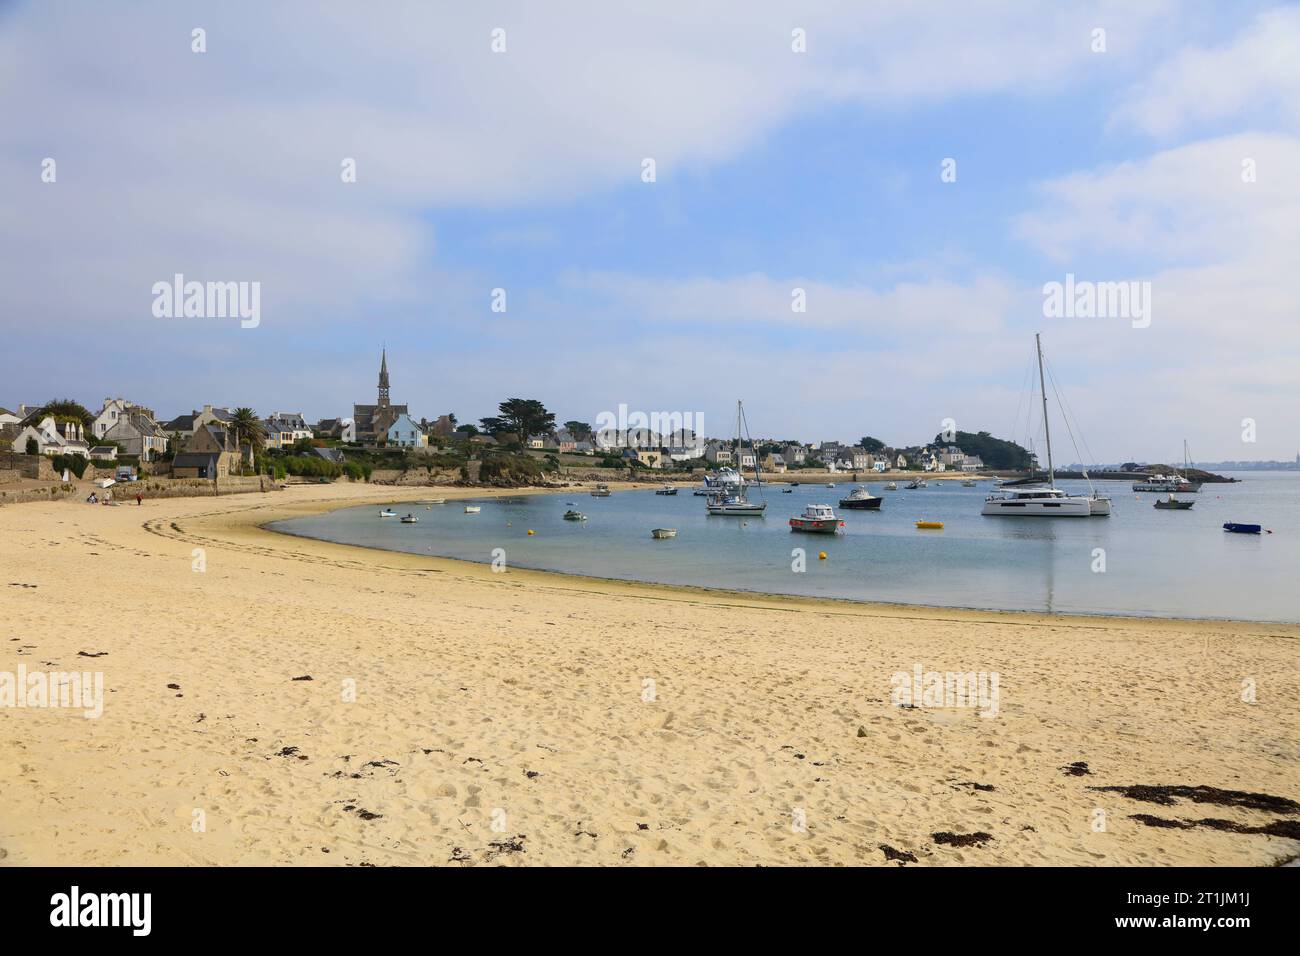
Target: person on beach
x,y
139,499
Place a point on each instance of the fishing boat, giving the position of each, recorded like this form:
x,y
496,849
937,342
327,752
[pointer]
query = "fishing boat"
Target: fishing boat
x,y
733,502
386,513
830,484
1173,504
1173,483
666,490
601,491
892,486
574,516
410,519
1238,528
787,491
1049,502
664,533
968,483
472,509
817,519
724,481
915,483
860,499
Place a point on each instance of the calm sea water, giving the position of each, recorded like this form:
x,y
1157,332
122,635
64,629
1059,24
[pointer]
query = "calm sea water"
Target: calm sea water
x,y
1157,563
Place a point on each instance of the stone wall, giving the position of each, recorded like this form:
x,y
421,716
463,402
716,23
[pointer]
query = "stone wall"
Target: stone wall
x,y
28,466
126,491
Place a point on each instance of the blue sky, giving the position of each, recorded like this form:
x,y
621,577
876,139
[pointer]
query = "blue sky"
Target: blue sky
x,y
521,170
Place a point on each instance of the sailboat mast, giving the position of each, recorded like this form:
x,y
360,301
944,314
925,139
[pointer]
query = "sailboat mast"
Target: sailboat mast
x,y
1042,387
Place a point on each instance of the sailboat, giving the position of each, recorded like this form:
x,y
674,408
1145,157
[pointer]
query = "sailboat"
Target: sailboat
x,y
734,501
1049,502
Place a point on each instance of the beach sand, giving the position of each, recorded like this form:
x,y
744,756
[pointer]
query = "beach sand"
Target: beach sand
x,y
503,719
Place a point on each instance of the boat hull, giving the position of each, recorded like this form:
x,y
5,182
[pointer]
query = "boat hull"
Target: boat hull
x,y
1059,508
737,510
816,525
1237,528
861,504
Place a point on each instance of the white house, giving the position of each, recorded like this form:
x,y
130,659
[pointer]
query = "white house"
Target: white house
x,y
113,411
53,438
406,434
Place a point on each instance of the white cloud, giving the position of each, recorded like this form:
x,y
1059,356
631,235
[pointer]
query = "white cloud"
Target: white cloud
x,y
1255,76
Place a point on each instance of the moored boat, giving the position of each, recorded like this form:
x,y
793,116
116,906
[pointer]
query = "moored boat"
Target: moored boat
x,y
666,490
916,483
601,491
472,509
892,486
1237,527
860,499
410,519
664,533
730,499
817,519
1050,502
1173,504
574,516
386,513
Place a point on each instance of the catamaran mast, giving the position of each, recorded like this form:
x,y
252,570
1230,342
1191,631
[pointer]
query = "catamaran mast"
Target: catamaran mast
x,y
1042,386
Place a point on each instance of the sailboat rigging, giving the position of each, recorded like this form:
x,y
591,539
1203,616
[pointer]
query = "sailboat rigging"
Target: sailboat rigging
x,y
1049,502
734,501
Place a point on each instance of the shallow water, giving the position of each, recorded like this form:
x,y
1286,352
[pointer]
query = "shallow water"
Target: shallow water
x,y
1157,563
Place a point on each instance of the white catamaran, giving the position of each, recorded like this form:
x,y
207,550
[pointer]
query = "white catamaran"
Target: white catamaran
x,y
732,500
1049,502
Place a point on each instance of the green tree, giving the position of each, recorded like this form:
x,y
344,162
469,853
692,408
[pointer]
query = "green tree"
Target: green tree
x,y
65,409
33,446
580,431
526,417
247,429
871,444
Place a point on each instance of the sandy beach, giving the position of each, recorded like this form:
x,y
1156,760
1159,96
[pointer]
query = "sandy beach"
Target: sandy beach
x,y
298,702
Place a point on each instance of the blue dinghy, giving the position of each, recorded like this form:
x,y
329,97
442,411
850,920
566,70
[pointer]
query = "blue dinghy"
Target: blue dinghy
x,y
1242,528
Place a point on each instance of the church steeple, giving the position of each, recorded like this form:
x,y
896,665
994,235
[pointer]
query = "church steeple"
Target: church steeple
x,y
383,380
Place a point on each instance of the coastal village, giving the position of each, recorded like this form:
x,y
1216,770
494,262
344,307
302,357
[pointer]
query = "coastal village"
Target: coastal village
x,y
222,449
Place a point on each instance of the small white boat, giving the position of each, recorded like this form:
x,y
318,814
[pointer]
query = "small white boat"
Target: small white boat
x,y
916,483
664,533
410,519
735,505
666,490
574,516
602,491
385,513
817,519
892,486
968,483
472,509
830,484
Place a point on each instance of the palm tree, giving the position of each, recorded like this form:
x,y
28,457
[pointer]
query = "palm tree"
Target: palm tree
x,y
247,429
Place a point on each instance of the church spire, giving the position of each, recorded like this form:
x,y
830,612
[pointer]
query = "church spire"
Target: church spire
x,y
383,380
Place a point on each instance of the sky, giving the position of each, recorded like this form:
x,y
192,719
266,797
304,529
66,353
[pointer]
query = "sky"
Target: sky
x,y
919,170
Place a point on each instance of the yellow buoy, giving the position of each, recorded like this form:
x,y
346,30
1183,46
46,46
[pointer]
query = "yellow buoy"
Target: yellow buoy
x,y
530,531
932,525
821,555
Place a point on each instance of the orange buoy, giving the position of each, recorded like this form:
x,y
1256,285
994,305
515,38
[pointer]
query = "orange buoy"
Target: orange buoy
x,y
821,555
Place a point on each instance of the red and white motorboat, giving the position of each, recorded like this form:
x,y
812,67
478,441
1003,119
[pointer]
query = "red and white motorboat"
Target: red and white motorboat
x,y
818,519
